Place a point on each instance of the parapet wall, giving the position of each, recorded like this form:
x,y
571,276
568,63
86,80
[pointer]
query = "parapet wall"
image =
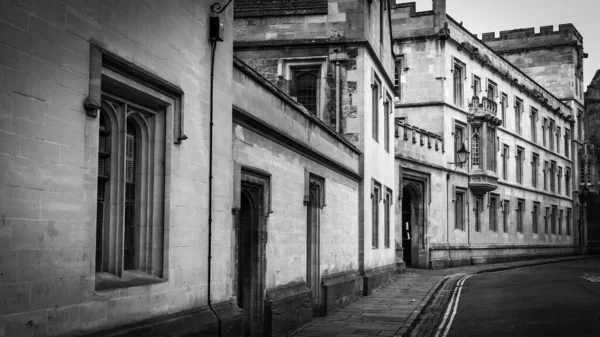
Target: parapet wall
x,y
527,38
407,22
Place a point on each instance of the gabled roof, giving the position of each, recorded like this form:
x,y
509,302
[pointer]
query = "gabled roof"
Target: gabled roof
x,y
246,8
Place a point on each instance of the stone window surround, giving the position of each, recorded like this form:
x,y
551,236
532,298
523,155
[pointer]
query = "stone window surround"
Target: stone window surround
x,y
399,68
376,196
376,84
519,109
493,226
535,164
534,117
505,213
505,160
389,201
156,106
520,215
491,83
462,191
535,217
457,124
519,159
463,66
287,67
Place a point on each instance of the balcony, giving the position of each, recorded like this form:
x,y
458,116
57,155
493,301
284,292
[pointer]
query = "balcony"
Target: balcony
x,y
481,182
484,110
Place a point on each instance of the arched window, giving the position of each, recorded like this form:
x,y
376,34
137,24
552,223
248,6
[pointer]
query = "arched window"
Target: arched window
x,y
104,146
306,90
129,224
130,192
475,148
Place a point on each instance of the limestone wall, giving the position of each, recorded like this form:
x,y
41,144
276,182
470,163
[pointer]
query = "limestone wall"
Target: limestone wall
x,y
48,162
286,226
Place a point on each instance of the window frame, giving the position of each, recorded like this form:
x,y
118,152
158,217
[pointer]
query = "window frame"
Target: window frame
x,y
458,126
518,115
569,221
376,198
504,105
398,69
505,215
476,85
551,126
520,214
535,162
519,158
533,121
552,175
459,225
459,78
128,95
505,161
289,68
387,113
567,142
494,90
376,96
493,212
535,213
388,202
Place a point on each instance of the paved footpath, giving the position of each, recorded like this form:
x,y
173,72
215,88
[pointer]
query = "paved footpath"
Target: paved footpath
x,y
411,305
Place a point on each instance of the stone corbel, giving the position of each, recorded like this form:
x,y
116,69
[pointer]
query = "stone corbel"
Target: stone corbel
x,y
444,33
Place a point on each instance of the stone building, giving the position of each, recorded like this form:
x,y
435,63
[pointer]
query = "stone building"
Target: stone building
x,y
589,159
152,182
335,58
513,199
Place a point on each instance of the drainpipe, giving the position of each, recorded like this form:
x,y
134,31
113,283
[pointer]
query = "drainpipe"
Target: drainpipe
x,y
337,96
448,209
216,32
338,56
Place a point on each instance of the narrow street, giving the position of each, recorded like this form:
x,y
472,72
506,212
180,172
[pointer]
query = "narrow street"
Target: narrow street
x,y
561,299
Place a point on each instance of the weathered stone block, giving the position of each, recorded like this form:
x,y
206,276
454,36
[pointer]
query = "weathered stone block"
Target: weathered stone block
x,y
287,308
374,279
8,262
340,290
14,37
15,298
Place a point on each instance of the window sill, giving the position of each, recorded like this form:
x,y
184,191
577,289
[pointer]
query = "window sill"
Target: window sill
x,y
131,278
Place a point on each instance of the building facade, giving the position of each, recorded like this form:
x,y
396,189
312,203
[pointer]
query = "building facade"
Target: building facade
x,y
589,164
236,168
335,58
514,196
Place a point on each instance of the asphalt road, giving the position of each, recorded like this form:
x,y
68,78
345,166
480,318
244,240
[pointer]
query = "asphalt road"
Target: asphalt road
x,y
561,299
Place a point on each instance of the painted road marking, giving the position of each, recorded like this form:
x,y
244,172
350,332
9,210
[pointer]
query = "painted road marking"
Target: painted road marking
x,y
453,305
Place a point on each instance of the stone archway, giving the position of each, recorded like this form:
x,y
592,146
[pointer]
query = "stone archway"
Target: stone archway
x,y
412,229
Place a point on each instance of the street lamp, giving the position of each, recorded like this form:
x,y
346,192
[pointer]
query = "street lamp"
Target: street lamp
x,y
462,156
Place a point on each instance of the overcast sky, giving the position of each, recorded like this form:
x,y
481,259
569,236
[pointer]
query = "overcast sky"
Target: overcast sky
x,y
482,16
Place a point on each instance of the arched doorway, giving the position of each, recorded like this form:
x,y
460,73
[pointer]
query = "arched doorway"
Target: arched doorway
x,y
412,229
406,228
250,287
313,219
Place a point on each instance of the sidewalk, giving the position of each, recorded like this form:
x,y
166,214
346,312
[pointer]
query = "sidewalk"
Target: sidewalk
x,y
404,307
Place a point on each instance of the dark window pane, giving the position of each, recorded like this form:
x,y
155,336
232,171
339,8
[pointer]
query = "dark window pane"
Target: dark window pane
x,y
306,91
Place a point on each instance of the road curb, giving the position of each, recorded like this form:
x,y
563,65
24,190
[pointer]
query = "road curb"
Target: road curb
x,y
533,263
412,320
